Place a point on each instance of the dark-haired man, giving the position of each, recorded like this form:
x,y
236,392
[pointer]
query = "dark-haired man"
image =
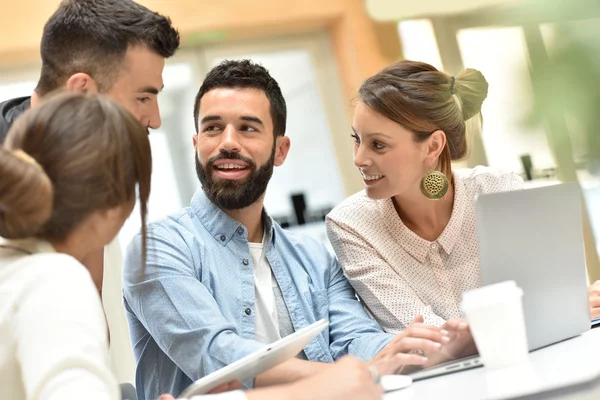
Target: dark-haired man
x,y
115,47
222,278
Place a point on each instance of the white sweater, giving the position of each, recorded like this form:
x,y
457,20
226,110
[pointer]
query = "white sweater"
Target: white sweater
x,y
53,332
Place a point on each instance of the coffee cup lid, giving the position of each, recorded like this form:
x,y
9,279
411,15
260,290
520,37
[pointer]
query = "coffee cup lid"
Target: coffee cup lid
x,y
490,294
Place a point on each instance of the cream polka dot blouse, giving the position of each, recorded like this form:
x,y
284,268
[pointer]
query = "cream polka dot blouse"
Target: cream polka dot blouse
x,y
396,273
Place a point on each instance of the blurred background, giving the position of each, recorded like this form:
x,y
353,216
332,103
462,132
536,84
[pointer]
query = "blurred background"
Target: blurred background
x,y
541,117
540,58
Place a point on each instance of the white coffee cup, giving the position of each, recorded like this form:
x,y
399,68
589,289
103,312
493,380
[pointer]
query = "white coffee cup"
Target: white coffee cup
x,y
497,322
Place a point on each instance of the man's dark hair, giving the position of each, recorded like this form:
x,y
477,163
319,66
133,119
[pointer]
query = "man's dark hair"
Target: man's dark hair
x,y
92,36
245,74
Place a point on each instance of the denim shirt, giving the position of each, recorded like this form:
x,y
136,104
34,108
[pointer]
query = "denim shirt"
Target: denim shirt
x,y
191,312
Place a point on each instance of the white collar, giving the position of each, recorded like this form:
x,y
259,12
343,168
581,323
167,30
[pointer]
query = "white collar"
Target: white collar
x,y
30,245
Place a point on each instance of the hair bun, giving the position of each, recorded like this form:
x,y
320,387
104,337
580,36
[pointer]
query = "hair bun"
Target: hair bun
x,y
26,195
472,89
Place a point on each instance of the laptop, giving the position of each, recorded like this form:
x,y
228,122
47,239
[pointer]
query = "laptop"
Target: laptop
x,y
259,361
534,237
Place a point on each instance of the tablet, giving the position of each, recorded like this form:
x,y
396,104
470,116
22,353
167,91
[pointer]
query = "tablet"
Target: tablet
x,y
258,362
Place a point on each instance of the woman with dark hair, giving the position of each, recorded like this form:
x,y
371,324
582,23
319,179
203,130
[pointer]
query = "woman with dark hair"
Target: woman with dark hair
x,y
407,242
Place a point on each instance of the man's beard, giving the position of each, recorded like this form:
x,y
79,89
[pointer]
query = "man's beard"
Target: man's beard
x,y
232,194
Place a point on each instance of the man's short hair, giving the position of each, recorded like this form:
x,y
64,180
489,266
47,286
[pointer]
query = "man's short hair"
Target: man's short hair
x,y
92,36
246,74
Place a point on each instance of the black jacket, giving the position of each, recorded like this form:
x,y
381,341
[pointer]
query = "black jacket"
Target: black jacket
x,y
9,111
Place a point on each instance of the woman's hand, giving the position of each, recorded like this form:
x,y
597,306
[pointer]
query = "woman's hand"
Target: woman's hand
x,y
594,296
348,378
461,343
412,345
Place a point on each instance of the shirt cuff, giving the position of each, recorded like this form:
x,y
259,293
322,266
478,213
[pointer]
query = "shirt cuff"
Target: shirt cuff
x,y
368,346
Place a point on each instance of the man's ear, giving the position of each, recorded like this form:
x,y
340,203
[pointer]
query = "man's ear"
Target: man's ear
x,y
81,83
282,148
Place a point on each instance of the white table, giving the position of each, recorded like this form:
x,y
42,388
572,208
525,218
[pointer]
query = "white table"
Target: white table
x,y
566,370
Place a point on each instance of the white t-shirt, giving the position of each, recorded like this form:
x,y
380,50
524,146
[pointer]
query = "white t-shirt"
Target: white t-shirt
x,y
265,318
53,332
121,353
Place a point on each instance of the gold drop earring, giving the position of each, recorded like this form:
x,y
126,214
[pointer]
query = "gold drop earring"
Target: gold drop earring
x,y
434,185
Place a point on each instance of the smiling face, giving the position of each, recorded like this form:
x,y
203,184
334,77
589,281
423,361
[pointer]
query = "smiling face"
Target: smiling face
x,y
235,146
389,158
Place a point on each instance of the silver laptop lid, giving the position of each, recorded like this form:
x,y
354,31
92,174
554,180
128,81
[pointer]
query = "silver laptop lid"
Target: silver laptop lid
x,y
534,237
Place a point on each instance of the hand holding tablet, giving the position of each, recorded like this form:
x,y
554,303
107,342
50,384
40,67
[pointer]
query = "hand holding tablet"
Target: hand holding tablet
x,y
259,361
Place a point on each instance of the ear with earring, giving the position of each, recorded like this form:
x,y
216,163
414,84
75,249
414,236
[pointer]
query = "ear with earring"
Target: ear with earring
x,y
434,185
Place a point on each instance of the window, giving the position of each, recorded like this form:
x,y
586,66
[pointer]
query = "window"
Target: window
x,y
419,43
16,89
501,55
